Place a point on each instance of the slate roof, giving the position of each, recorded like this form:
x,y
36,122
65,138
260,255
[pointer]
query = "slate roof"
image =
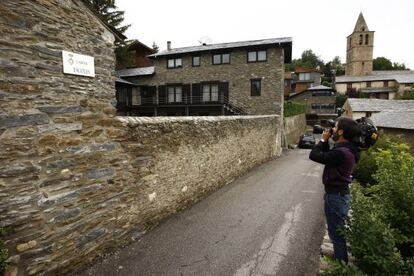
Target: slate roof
x,y
394,119
378,105
406,76
133,72
229,45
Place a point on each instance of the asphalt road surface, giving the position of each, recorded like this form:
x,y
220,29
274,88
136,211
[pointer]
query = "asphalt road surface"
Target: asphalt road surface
x,y
268,222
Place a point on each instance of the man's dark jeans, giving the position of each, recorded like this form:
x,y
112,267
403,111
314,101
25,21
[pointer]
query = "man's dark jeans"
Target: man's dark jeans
x,y
336,211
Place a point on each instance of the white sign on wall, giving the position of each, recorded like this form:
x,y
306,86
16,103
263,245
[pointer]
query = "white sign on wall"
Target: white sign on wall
x,y
77,64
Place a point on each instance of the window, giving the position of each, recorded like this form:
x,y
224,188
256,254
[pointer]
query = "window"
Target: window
x,y
349,85
304,76
385,83
366,39
174,63
286,83
196,61
361,37
221,59
256,56
255,87
175,94
316,106
368,84
210,92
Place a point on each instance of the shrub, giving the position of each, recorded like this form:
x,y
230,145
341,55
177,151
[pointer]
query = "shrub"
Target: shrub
x,y
367,165
395,177
408,95
380,230
372,241
3,252
340,100
341,269
293,108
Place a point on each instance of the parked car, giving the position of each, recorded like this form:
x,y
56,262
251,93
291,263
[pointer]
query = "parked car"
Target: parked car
x,y
306,140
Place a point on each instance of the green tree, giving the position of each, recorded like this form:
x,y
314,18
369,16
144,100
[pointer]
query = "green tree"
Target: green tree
x,y
308,59
124,57
382,63
107,9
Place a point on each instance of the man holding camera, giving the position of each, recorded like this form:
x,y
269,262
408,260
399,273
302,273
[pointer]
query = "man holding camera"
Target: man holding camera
x,y
337,175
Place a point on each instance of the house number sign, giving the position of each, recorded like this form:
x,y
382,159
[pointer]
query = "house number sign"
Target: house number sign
x,y
77,64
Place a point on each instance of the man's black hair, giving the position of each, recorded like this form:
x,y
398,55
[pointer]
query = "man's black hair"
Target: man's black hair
x,y
350,128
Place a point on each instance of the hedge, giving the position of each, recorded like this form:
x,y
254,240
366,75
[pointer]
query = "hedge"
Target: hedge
x,y
293,109
380,230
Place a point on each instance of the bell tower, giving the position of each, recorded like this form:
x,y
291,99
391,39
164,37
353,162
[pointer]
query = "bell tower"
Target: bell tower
x,y
359,49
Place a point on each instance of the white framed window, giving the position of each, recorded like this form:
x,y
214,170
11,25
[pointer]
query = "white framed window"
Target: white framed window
x,y
175,94
221,59
174,63
210,92
257,56
304,76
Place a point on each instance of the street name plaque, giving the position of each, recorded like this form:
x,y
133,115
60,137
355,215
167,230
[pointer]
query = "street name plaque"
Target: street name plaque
x,y
77,64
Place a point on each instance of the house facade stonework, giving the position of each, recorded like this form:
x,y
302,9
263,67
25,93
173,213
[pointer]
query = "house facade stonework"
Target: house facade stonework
x,y
233,80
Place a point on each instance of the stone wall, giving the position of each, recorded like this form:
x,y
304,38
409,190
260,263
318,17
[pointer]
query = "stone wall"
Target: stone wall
x,y
293,127
69,202
238,74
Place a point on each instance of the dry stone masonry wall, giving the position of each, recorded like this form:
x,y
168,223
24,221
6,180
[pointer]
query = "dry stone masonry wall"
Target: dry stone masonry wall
x,y
294,127
74,179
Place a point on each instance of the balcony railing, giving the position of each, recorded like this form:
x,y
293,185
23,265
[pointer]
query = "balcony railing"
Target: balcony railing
x,y
232,106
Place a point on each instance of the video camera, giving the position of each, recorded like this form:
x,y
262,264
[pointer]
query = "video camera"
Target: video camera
x,y
369,132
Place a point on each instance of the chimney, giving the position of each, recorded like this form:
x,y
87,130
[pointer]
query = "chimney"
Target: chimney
x,y
168,45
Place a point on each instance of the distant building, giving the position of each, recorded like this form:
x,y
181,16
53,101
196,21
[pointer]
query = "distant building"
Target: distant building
x,y
397,123
360,79
141,51
288,84
319,103
357,108
219,79
304,78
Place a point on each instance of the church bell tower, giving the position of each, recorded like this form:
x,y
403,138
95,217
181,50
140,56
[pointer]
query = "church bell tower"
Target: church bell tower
x,y
359,49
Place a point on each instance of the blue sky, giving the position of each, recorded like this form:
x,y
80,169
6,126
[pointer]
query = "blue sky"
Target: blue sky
x,y
320,25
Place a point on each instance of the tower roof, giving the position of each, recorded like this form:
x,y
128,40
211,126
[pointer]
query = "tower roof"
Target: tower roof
x,y
361,25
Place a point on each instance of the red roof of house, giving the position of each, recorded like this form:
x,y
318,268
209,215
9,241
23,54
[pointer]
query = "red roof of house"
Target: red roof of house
x,y
305,70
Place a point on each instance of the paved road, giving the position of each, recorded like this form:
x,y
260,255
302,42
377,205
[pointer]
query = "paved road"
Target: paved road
x,y
268,222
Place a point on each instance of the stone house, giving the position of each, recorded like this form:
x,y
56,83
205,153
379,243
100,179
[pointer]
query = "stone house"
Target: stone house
x,y
319,102
218,79
396,123
359,76
357,108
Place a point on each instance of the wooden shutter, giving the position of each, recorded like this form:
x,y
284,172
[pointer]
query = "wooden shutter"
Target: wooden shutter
x,y
196,93
129,96
224,90
186,93
152,94
162,94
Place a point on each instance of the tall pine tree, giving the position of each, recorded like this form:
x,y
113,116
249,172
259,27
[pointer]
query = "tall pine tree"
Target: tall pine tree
x,y
107,9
